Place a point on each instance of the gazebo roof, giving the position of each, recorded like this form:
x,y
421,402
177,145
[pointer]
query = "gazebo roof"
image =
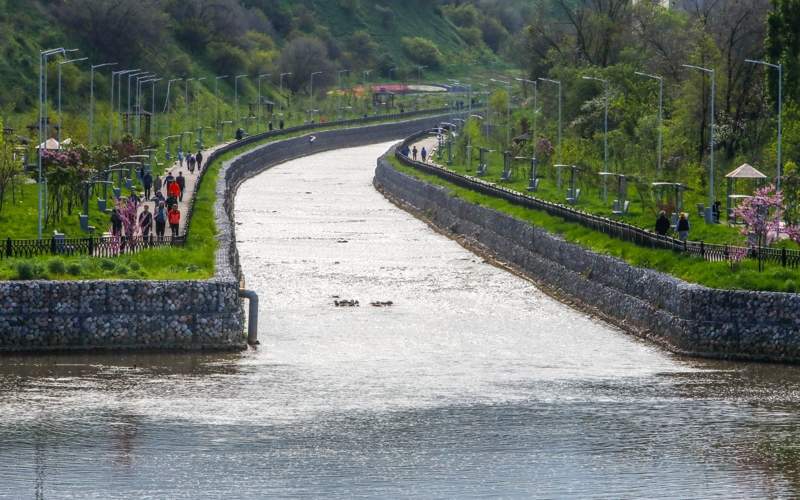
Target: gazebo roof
x,y
746,171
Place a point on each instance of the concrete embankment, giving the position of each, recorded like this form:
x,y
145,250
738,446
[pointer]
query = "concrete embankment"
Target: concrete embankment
x,y
181,315
685,318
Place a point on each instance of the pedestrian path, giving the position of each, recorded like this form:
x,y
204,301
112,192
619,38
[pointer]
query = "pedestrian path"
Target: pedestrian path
x,y
192,178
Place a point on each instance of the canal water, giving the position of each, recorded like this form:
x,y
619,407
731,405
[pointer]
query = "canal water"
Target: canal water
x,y
470,383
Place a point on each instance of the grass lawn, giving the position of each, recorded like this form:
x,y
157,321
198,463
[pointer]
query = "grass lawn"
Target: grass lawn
x,y
591,199
692,269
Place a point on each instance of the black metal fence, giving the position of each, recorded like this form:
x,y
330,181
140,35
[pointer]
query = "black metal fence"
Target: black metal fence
x,y
614,228
104,246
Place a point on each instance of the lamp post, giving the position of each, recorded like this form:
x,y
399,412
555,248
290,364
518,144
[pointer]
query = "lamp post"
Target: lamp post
x,y
535,98
216,98
558,83
508,109
60,64
469,140
167,103
366,73
712,74
312,92
115,74
91,99
43,55
280,83
419,82
339,85
605,118
236,95
660,80
197,102
779,67
260,113
130,75
139,107
154,123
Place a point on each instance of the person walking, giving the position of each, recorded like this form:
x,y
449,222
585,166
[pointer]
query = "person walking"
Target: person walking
x,y
157,184
662,224
683,227
181,182
116,223
199,158
180,157
190,163
147,183
168,180
280,124
161,220
146,222
414,153
423,154
174,216
174,191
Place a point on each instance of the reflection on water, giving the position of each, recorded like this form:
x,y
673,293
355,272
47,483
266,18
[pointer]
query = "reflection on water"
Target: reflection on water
x,y
472,383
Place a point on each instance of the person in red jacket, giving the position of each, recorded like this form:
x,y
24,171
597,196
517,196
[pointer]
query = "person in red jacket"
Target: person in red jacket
x,y
174,216
174,191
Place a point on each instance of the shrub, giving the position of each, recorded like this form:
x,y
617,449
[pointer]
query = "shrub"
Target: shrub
x,y
227,58
25,271
422,51
107,265
473,36
74,269
56,266
135,266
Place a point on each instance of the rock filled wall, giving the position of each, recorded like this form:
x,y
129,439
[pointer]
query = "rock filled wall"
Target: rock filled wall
x,y
685,318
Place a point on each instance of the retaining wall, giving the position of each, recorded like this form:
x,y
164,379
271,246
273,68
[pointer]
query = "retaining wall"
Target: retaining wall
x,y
43,315
685,318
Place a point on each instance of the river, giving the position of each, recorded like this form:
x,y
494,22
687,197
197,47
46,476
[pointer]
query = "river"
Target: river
x,y
472,383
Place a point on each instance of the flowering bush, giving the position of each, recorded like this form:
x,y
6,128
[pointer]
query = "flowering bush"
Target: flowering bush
x,y
762,215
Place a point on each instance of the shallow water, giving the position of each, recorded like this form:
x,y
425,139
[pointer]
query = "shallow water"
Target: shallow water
x,y
472,383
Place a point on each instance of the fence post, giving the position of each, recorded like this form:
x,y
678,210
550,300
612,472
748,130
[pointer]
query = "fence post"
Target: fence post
x,y
91,245
9,247
783,257
53,246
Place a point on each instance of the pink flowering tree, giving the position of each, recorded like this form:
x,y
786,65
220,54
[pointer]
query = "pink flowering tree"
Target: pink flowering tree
x,y
762,215
128,212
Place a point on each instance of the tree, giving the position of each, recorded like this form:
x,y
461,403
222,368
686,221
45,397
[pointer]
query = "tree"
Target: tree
x,y
303,56
118,29
10,166
422,51
762,215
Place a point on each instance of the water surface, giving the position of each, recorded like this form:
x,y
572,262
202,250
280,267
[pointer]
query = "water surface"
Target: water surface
x,y
473,383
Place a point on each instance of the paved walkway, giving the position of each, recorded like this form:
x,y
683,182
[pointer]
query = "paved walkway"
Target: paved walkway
x,y
189,191
430,143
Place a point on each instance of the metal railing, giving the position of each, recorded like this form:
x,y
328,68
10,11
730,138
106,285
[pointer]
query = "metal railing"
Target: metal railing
x,y
103,246
614,228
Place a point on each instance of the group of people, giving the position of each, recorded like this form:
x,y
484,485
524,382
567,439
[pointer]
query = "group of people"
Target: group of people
x,y
663,225
192,160
414,152
165,193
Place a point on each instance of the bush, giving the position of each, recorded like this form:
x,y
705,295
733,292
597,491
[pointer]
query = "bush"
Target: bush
x,y
473,36
25,271
56,266
135,266
227,58
422,51
74,269
107,265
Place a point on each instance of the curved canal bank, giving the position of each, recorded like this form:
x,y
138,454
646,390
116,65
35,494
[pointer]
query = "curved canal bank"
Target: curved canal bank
x,y
41,315
685,318
472,384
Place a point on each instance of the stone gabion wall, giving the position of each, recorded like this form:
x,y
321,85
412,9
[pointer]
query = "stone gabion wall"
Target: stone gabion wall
x,y
184,315
685,318
97,314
